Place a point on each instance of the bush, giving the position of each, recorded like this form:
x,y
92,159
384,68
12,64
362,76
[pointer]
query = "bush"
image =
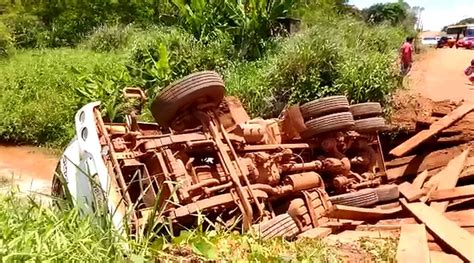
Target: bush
x,y
109,37
368,77
333,57
39,93
27,30
303,68
5,41
159,56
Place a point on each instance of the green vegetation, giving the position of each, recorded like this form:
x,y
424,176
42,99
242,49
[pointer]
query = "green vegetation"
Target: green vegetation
x,y
31,232
39,94
395,13
55,56
382,250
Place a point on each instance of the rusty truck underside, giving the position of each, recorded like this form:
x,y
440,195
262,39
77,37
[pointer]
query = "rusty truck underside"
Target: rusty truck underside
x,y
206,156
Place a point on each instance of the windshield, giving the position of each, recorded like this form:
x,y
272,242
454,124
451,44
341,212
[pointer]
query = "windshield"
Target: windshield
x,y
470,32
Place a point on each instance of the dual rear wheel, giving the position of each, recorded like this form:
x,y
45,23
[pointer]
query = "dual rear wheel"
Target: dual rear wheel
x,y
334,113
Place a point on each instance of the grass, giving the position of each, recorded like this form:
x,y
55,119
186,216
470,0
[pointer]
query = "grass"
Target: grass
x,y
39,97
33,232
381,250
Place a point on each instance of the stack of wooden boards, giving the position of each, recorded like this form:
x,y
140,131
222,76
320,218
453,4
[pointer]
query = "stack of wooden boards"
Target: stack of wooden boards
x,y
434,218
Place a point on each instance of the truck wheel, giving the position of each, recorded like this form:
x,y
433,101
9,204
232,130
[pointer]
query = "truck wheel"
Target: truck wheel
x,y
368,109
361,198
324,106
373,124
387,193
200,87
329,123
280,226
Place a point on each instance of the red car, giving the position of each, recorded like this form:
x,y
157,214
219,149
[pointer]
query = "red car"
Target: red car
x,y
467,42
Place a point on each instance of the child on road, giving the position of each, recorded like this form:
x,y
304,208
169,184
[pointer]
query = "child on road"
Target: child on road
x,y
469,71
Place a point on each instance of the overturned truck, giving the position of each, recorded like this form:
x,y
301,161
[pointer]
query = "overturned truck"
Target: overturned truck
x,y
205,155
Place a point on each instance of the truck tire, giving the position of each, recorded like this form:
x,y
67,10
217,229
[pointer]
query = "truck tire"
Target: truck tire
x,y
368,125
324,106
361,198
367,197
329,123
364,110
387,193
280,226
180,95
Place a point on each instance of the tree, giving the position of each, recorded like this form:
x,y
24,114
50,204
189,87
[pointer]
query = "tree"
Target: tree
x,y
395,13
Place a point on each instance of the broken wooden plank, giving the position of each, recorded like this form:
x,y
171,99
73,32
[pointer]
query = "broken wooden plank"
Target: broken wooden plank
x,y
463,218
431,185
430,161
412,246
448,178
433,246
446,231
435,128
318,232
441,257
420,179
468,172
461,203
410,192
389,205
359,213
453,194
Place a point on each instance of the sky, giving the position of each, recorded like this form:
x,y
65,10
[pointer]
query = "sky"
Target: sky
x,y
437,13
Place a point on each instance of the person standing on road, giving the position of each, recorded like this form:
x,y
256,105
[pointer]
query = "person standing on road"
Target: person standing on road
x,y
406,56
469,71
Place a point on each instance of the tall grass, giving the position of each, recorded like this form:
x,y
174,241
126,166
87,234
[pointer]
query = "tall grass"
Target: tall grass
x,y
30,232
335,56
39,95
6,41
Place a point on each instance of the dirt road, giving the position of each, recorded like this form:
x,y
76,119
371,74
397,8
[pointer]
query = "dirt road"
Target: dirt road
x,y
439,74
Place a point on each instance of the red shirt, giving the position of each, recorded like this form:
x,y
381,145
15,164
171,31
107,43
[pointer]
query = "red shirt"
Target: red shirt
x,y
406,53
